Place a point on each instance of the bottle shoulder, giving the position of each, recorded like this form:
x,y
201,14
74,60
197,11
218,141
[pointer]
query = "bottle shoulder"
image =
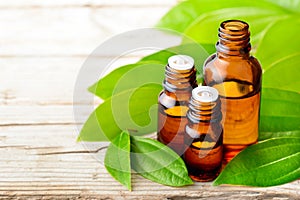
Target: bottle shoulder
x,y
255,63
170,99
218,68
166,99
231,61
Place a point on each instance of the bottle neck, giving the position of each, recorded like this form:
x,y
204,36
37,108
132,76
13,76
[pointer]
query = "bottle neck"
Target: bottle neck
x,y
234,39
179,81
205,112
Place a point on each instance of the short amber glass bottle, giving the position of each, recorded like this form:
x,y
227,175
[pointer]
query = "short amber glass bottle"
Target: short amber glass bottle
x,y
237,77
204,135
180,79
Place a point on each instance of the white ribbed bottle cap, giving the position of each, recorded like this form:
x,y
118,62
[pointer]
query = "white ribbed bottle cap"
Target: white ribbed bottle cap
x,y
181,62
205,94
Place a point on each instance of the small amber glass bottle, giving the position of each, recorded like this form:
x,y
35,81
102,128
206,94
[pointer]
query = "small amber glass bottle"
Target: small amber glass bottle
x,y
237,77
180,79
204,135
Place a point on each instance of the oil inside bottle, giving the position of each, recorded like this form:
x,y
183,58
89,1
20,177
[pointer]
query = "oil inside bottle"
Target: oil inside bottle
x,y
240,109
204,157
172,126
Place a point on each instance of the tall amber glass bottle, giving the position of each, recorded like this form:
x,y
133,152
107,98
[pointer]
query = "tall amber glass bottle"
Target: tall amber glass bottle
x,y
204,135
237,77
180,79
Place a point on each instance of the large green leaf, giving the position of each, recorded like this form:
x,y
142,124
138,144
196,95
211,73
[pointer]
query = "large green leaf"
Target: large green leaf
x,y
268,135
158,163
280,111
292,5
286,71
128,77
150,69
283,61
117,159
185,13
120,113
279,42
199,52
268,163
205,28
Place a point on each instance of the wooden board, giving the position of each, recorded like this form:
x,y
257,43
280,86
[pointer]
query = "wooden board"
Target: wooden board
x,y
44,161
66,31
43,45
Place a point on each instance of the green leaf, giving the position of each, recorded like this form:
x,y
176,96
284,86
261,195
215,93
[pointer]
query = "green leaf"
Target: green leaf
x,y
158,163
287,71
268,135
134,110
185,13
270,22
199,52
117,159
280,110
279,42
148,70
257,18
128,77
292,5
271,162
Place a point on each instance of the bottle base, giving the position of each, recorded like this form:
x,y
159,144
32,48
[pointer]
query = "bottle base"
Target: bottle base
x,y
207,177
203,176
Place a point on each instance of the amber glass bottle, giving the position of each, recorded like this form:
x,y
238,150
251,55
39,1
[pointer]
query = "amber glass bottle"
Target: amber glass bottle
x,y
237,77
180,79
204,135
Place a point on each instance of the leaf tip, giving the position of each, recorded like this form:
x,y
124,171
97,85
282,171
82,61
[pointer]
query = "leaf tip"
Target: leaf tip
x,y
92,88
216,183
218,180
79,139
190,182
129,187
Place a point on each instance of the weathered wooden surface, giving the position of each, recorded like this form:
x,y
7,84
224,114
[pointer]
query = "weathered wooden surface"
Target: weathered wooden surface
x,y
44,161
43,44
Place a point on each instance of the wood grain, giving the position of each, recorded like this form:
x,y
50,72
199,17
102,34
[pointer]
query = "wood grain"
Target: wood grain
x,y
50,164
43,45
68,31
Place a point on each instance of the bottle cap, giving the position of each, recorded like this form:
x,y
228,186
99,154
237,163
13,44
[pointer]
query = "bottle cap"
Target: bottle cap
x,y
205,94
181,62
